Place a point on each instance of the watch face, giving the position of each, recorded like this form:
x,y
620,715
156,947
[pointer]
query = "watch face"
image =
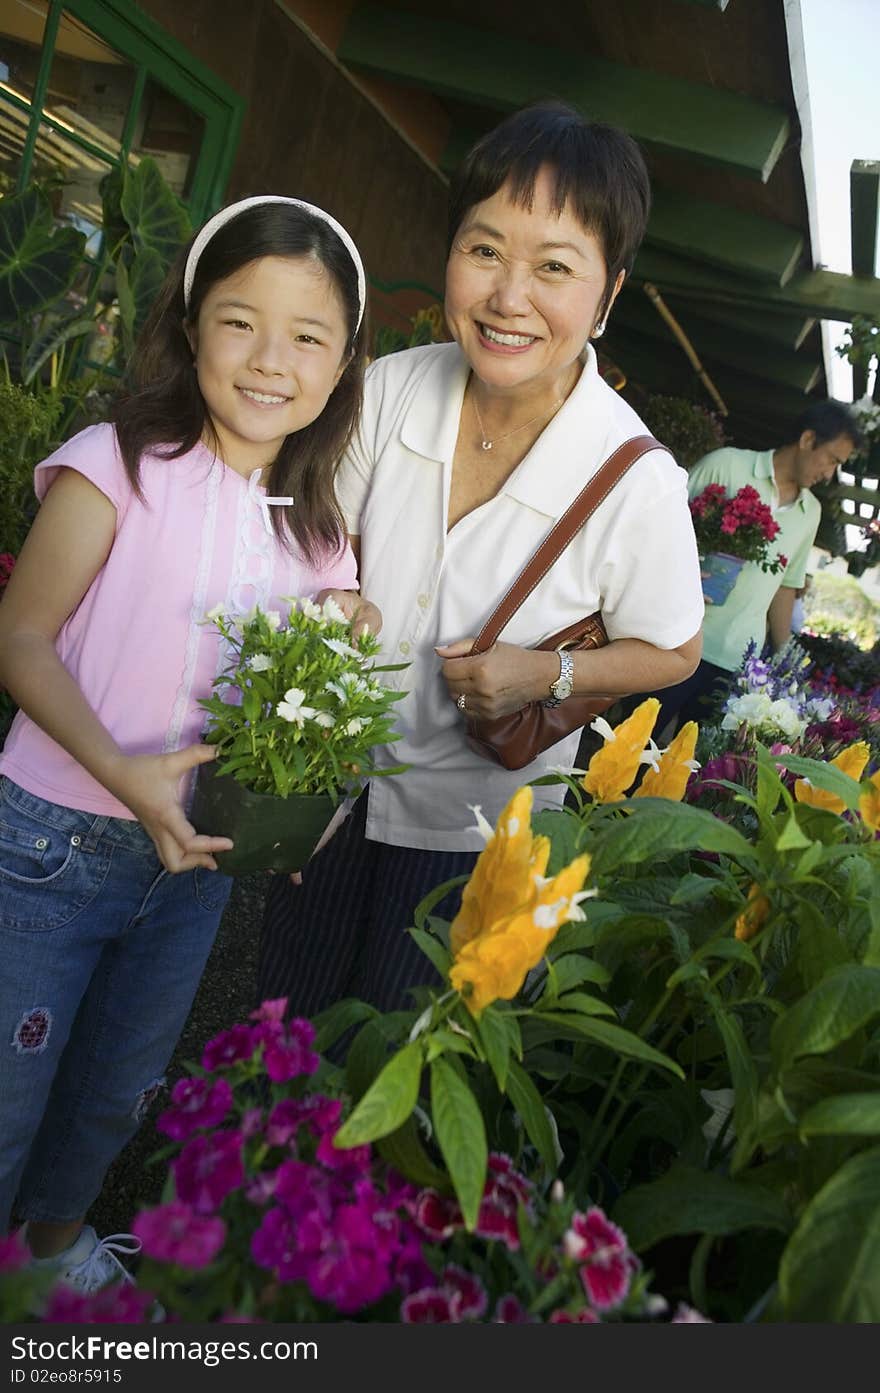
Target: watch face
x,y
562,689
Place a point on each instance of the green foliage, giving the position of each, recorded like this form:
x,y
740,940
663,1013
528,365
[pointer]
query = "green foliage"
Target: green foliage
x,y
689,430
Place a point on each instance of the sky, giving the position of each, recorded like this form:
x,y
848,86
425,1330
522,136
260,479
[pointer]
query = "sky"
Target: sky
x,y
841,40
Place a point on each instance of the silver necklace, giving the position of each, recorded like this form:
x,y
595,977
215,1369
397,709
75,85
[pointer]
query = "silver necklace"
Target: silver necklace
x,y
487,444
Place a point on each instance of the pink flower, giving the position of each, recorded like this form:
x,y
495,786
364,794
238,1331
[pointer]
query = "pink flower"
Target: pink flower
x,y
467,1295
509,1310
286,1052
229,1047
429,1307
688,1315
120,1303
195,1103
436,1216
175,1233
14,1254
505,1191
602,1253
316,1111
344,1264
273,1010
274,1246
350,1162
208,1169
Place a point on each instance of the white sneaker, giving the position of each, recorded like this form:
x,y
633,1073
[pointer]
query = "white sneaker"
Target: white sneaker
x,y
91,1262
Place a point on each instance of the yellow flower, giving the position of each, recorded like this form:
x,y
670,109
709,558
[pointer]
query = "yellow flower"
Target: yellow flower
x,y
504,874
754,915
613,769
850,761
869,804
677,763
494,964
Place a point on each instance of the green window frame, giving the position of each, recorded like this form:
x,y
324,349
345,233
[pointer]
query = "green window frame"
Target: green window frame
x,y
153,54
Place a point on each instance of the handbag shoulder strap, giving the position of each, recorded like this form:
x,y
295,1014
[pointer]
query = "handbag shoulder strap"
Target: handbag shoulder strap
x,y
563,531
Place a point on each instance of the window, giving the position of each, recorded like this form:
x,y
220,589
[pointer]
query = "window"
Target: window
x,y
85,84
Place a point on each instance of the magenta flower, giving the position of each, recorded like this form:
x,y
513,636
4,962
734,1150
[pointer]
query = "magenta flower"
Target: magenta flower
x,y
274,1246
582,1317
286,1052
120,1303
175,1233
14,1254
208,1169
509,1310
411,1273
229,1047
436,1216
505,1191
350,1162
344,1264
601,1250
251,1122
260,1189
316,1111
195,1103
273,1010
467,1295
429,1307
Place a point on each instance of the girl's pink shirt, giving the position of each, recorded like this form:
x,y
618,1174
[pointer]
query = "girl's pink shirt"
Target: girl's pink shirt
x,y
137,644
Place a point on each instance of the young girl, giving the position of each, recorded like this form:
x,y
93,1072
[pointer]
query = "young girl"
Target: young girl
x,y
213,485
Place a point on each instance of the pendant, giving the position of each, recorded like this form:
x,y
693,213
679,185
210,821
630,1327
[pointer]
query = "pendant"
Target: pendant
x,y
487,444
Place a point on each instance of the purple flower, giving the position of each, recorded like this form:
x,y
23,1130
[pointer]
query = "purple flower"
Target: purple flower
x,y
175,1233
317,1112
14,1254
428,1307
195,1103
411,1273
509,1310
344,1264
260,1189
350,1162
273,1010
208,1169
602,1252
251,1122
274,1245
286,1052
437,1216
120,1303
467,1295
229,1047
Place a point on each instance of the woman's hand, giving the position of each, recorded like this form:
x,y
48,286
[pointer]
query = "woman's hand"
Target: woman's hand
x,y
362,613
150,786
499,681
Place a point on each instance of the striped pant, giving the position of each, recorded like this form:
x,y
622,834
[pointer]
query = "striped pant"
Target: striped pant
x,y
343,931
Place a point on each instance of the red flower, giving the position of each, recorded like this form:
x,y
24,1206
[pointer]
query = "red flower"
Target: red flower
x,y
601,1250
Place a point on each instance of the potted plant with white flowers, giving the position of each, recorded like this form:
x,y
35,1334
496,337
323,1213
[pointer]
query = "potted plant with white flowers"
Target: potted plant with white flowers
x,y
296,713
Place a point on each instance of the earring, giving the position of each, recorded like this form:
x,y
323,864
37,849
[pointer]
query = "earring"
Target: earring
x,y
599,329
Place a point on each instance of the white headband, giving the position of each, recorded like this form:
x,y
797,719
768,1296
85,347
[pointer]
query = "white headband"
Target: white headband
x,y
225,215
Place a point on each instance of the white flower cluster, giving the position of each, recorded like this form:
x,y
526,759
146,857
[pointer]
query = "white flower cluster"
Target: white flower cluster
x,y
867,413
781,716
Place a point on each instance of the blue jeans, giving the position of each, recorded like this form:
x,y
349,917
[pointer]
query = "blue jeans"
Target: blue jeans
x,y
101,952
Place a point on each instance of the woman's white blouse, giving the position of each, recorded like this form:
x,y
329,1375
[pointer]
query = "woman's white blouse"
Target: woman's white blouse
x,y
635,559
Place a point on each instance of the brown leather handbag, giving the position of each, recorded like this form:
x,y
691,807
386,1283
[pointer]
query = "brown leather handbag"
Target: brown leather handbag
x,y
517,739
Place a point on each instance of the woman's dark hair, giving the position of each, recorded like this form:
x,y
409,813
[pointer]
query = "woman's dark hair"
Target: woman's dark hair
x,y
164,406
828,420
599,173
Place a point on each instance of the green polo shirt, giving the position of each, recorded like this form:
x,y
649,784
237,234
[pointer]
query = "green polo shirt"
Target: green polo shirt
x,y
728,628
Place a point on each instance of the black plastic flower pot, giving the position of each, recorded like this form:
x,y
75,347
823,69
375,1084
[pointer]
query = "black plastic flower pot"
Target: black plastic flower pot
x,y
270,833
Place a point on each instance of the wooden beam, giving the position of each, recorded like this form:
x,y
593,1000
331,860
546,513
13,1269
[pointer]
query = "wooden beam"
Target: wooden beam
x,y
788,330
723,236
864,184
503,73
822,294
749,353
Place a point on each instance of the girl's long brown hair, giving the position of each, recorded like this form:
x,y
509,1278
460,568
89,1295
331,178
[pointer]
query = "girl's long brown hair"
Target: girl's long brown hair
x,y
164,412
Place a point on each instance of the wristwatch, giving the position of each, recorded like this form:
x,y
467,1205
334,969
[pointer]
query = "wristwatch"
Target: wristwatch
x,y
562,687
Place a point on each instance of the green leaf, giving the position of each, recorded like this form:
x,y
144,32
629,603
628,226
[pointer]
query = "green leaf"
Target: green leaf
x,y
615,1038
388,1102
432,949
575,969
743,1072
692,888
848,1115
366,1057
770,786
42,349
461,1136
403,1150
791,838
727,949
38,261
495,1039
830,1270
425,906
146,276
338,1018
657,828
529,1104
688,1200
157,219
584,1003
824,776
845,1000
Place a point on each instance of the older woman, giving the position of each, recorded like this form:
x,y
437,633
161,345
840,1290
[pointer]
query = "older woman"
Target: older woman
x,y
468,453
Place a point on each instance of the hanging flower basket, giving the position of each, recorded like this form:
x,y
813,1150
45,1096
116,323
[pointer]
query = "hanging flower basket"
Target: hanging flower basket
x,y
719,571
270,833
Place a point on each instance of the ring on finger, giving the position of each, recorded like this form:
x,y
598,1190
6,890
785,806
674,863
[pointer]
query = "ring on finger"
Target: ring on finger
x,y
460,701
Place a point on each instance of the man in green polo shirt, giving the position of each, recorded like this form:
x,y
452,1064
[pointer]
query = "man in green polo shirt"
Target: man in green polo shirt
x,y
760,605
